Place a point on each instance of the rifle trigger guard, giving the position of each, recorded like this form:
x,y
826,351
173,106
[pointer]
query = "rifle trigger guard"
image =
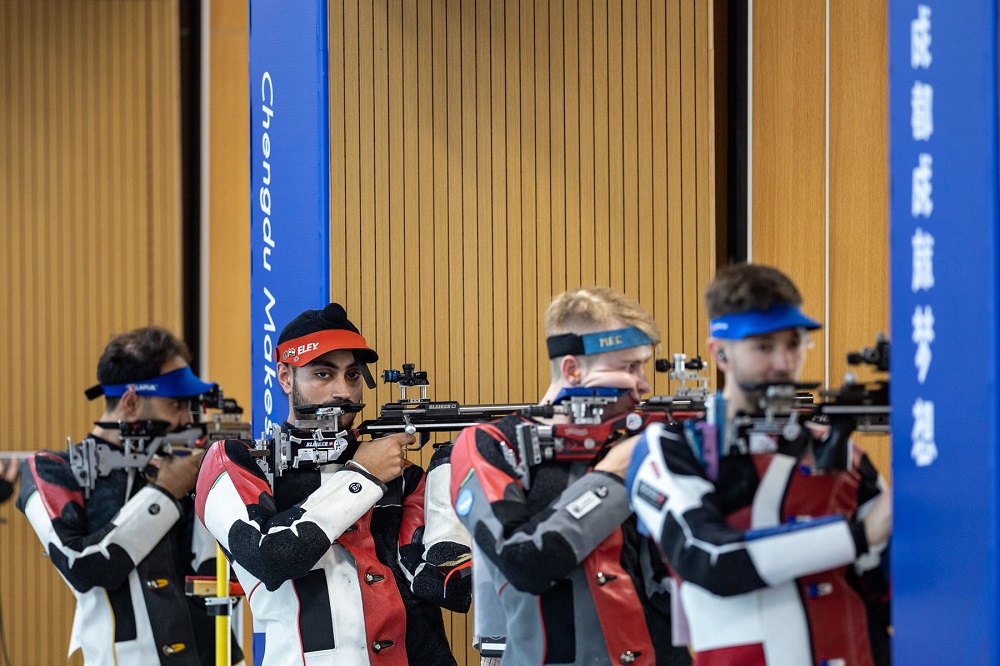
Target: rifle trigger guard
x,y
410,429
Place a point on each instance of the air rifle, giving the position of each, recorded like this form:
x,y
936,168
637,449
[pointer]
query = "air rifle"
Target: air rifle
x,y
141,441
588,435
688,399
854,406
319,438
421,416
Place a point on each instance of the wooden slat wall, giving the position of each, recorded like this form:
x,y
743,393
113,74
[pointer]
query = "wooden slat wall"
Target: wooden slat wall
x,y
89,180
226,338
227,343
488,155
789,172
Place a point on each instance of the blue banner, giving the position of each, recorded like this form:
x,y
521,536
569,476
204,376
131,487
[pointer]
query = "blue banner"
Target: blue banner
x,y
289,182
289,189
943,159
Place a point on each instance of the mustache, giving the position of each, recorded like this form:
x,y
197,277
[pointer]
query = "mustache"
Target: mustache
x,y
336,402
349,407
299,401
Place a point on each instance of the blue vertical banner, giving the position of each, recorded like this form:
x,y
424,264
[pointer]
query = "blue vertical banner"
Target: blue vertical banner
x,y
945,403
289,182
289,188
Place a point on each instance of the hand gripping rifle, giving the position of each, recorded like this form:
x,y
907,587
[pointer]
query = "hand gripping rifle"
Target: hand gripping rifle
x,y
320,439
141,441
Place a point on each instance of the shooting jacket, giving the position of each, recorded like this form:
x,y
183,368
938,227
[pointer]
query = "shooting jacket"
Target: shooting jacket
x,y
576,582
772,561
125,560
339,568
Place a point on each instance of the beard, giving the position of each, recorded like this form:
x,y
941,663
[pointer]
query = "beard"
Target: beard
x,y
346,420
745,401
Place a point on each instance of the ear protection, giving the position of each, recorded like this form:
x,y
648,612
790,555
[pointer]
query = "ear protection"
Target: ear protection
x,y
722,354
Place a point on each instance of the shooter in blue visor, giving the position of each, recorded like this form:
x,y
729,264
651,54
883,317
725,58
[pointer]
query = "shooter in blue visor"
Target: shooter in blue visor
x,y
776,557
561,574
124,543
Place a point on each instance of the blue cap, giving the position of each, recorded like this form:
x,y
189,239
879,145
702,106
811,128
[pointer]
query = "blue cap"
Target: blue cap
x,y
739,325
179,383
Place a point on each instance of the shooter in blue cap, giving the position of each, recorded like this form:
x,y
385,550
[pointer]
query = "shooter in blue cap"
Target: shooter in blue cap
x,y
776,557
758,333
124,543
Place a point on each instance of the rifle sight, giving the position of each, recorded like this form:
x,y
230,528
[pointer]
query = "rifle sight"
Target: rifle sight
x,y
877,356
680,362
406,377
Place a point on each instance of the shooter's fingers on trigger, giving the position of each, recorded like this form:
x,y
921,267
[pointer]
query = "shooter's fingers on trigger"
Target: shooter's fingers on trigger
x,y
404,439
414,444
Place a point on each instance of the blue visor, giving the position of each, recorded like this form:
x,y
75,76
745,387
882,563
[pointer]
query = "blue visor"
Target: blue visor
x,y
595,343
179,383
741,325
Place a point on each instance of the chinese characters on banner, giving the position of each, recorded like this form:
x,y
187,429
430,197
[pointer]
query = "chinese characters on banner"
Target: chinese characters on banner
x,y
944,149
924,449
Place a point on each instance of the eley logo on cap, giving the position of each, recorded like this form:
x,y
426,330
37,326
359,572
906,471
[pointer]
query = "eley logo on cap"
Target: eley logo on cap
x,y
300,351
296,352
304,349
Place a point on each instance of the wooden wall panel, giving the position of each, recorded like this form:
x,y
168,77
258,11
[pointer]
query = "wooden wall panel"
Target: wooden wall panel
x,y
226,200
488,155
473,126
788,137
790,182
89,177
859,191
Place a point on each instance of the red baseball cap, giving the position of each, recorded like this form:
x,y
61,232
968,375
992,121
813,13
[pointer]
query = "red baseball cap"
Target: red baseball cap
x,y
316,332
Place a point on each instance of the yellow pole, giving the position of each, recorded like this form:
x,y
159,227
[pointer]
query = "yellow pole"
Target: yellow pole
x,y
222,620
